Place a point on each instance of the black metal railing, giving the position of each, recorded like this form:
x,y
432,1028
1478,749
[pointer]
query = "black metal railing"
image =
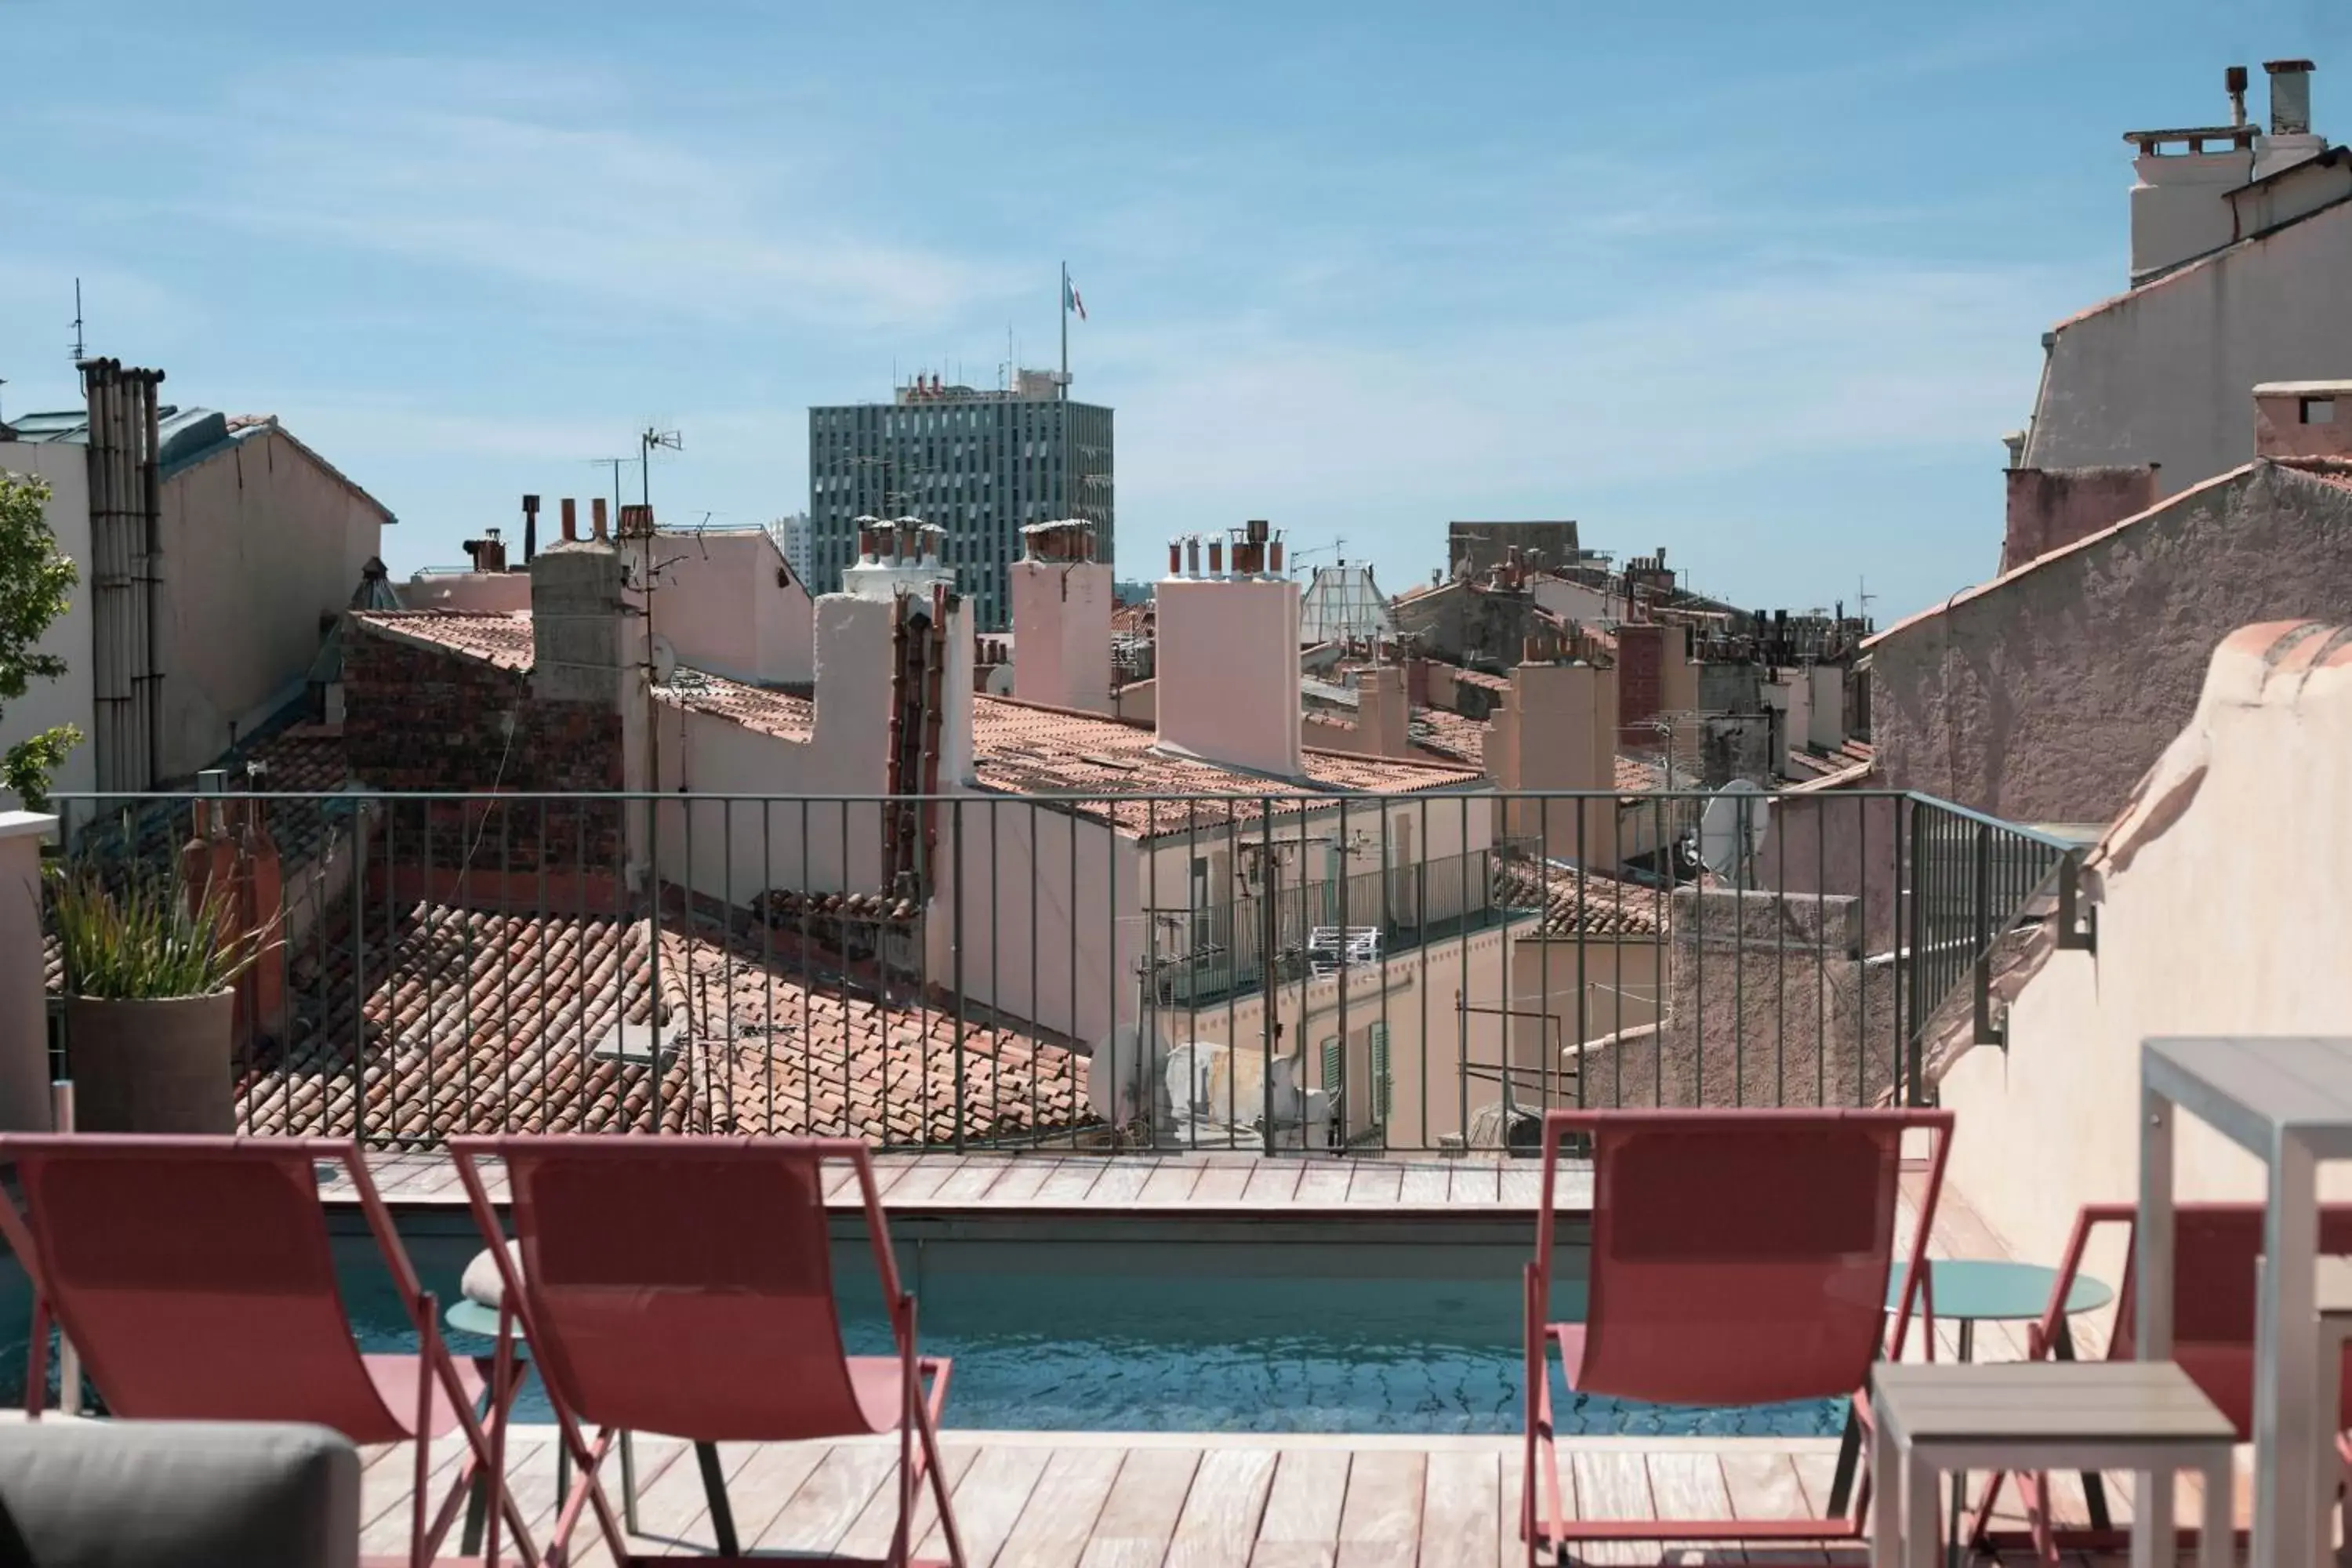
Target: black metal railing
x,y
1267,972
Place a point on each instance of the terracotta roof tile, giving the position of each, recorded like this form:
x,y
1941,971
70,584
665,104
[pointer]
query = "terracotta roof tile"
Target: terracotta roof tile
x,y
1449,734
1582,903
1483,678
1635,777
500,639
771,712
1023,749
475,1021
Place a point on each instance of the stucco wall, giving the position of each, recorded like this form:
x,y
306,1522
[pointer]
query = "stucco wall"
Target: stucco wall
x,y
2165,375
262,548
728,603
2224,900
71,699
2043,697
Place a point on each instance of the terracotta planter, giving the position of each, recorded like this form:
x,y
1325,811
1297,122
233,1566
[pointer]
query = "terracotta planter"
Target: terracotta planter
x,y
152,1066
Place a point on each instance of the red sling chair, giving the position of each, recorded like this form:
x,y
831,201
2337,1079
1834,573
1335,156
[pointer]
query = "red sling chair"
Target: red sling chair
x,y
683,1285
197,1278
1739,1258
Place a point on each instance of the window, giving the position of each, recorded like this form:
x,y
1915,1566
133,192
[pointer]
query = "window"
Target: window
x,y
1333,1058
2319,411
1384,1086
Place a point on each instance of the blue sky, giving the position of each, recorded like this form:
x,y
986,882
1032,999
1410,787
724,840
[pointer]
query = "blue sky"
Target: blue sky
x,y
1763,284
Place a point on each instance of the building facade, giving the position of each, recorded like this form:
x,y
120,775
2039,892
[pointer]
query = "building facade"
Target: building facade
x,y
792,536
980,464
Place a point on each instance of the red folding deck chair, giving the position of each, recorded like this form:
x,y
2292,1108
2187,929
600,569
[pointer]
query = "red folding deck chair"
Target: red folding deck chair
x,y
685,1286
2216,1251
197,1279
1738,1258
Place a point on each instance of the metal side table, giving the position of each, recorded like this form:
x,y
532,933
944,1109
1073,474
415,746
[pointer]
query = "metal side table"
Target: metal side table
x,y
2288,1102
473,1318
2139,1415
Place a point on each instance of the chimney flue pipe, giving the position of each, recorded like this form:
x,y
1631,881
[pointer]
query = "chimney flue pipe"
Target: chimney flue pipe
x,y
570,521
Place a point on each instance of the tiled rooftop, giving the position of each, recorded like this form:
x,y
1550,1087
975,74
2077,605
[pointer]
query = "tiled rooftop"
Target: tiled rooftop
x,y
1024,749
476,1021
756,708
500,639
1636,776
1582,903
1483,678
1449,734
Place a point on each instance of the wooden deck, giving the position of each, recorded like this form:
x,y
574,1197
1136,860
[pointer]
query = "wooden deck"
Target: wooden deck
x,y
1047,1183
1029,1499
1026,1500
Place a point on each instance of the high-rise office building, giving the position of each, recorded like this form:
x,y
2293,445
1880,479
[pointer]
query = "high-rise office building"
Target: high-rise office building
x,y
981,464
792,536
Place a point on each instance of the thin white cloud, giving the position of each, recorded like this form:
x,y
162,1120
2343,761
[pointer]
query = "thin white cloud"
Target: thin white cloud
x,y
555,187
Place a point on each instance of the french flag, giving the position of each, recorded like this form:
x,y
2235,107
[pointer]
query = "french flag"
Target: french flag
x,y
1070,300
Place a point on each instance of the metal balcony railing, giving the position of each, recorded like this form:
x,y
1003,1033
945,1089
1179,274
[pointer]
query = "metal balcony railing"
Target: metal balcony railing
x,y
1284,970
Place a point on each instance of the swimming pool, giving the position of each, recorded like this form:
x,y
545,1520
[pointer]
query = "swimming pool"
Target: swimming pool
x,y
1154,1325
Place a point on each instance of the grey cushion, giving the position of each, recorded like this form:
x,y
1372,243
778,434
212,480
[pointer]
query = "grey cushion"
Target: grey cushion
x,y
112,1494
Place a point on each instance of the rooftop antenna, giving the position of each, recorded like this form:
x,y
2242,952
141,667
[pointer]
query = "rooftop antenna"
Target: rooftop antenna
x,y
648,441
1862,596
614,464
80,350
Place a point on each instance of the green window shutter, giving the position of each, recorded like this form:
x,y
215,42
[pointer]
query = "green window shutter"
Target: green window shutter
x,y
1332,1063
1384,1088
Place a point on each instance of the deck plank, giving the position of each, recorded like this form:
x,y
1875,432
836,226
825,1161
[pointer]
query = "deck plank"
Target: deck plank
x,y
1059,1517
1461,1510
1610,1485
1020,1184
989,1501
1475,1183
1222,1512
1511,1547
1274,1182
668,1502
1380,1526
1375,1181
829,1501
1425,1184
385,1488
1071,1181
1122,1183
923,1183
1300,1528
1173,1182
869,1536
1763,1485
1140,1514
1221,1184
1323,1184
1690,1485
972,1183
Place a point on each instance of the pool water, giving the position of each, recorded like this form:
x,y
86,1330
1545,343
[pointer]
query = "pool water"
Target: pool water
x,y
1170,1334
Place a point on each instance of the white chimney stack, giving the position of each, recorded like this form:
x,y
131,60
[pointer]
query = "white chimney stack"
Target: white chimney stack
x,y
1228,654
1062,600
2290,140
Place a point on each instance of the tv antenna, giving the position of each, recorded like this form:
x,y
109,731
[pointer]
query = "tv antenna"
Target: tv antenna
x,y
1862,597
649,440
80,350
614,463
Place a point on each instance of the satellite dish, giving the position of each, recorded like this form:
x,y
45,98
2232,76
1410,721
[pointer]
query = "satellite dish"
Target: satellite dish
x,y
1731,828
665,660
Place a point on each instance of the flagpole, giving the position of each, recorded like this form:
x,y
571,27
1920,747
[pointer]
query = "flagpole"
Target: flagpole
x,y
1064,305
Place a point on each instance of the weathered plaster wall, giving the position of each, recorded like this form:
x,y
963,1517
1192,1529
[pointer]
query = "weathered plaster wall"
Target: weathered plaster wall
x,y
2163,375
2043,697
2224,900
2050,508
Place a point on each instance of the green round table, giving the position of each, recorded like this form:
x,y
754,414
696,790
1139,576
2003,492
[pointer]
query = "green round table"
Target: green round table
x,y
1972,1291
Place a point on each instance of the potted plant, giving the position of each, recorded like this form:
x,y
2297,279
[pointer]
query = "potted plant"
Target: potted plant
x,y
151,1001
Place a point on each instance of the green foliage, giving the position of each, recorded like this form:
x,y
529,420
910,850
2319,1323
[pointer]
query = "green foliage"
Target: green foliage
x,y
148,940
34,583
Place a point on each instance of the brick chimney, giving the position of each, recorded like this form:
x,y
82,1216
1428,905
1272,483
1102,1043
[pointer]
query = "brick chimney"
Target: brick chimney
x,y
1228,686
2303,419
1062,599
